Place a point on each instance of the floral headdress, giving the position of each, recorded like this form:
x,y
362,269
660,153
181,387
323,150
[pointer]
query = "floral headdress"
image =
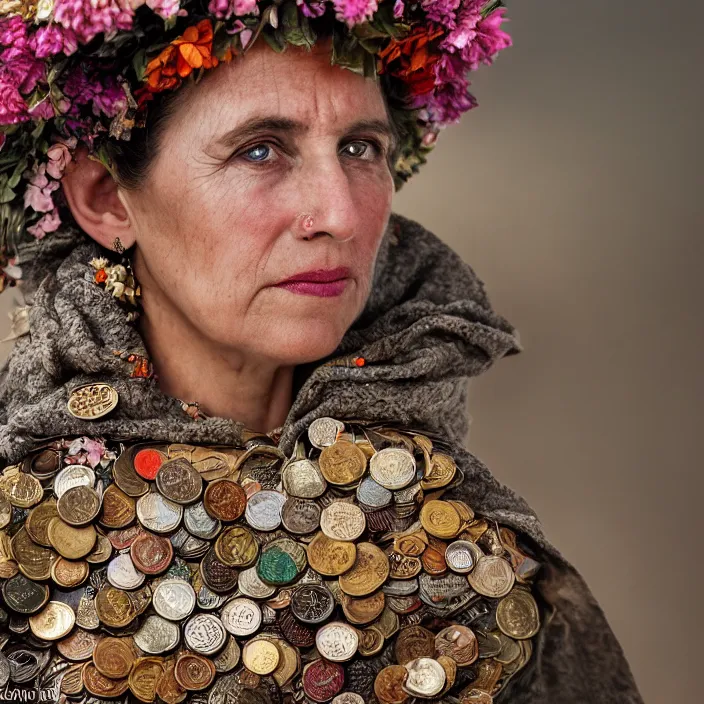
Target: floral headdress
x,y
85,71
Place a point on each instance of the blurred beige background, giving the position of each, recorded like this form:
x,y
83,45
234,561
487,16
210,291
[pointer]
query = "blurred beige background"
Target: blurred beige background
x,y
574,192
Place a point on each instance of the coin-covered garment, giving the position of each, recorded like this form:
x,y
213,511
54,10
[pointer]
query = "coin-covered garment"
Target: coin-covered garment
x,y
344,573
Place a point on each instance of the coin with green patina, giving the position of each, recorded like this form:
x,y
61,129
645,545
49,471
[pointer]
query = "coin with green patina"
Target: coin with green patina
x,y
276,566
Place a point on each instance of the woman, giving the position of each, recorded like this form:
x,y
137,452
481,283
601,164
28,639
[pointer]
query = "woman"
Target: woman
x,y
218,282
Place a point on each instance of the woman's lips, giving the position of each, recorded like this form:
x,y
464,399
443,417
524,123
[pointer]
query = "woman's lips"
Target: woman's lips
x,y
316,288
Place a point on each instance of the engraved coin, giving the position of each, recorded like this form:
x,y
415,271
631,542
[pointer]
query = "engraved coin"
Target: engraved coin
x,y
260,656
388,685
69,541
216,574
174,599
492,576
69,573
414,642
114,607
92,401
151,554
330,557
300,516
426,677
179,482
461,556
294,631
71,680
369,572
440,518
342,521
98,685
277,564
5,510
126,477
459,643
251,585
53,622
101,552
517,615
227,659
144,677
237,547
363,610
118,509
122,573
79,645
225,500
371,641
323,432
24,595
73,475
158,514
337,641
372,494
21,489
263,510
342,463
439,473
204,633
194,672
303,479
393,468
348,698
78,505
322,680
33,561
113,657
200,523
312,603
156,635
241,617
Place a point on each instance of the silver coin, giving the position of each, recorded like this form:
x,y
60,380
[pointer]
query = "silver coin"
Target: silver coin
x,y
342,521
426,677
348,698
227,659
26,663
372,494
300,516
122,573
263,510
204,633
157,635
251,585
393,468
400,587
73,475
199,522
303,479
312,603
158,514
241,617
174,599
461,556
193,548
323,432
4,670
337,641
209,600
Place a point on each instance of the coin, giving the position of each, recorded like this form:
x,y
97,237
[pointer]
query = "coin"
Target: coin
x,y
260,656
118,508
5,510
342,463
342,521
236,547
78,505
200,523
277,565
263,510
337,641
100,686
330,557
126,477
53,622
462,555
369,572
158,514
113,657
300,516
33,561
71,680
388,685
363,610
312,603
144,677
73,475
178,481
174,599
294,631
241,617
156,635
371,641
322,680
372,494
439,473
224,500
147,462
69,573
517,615
303,479
426,677
114,607
71,542
122,573
459,643
440,519
228,657
168,690
393,468
92,401
216,574
194,672
151,554
251,585
21,489
492,577
79,645
323,432
414,642
348,698
24,595
204,633
122,539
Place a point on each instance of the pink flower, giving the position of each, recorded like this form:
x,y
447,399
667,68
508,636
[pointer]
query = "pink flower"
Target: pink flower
x,y
60,157
13,109
399,8
353,12
43,110
85,451
88,18
39,189
19,67
109,97
223,9
47,223
311,8
451,97
442,12
53,39
166,8
13,31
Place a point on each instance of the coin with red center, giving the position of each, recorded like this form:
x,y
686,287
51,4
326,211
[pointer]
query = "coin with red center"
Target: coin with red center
x,y
147,463
322,680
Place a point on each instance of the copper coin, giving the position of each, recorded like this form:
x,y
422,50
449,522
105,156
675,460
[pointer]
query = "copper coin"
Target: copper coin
x,y
151,554
371,641
144,677
123,538
322,680
388,685
168,689
126,477
72,680
78,505
294,631
69,573
458,643
363,610
118,508
414,642
37,523
147,462
101,686
178,481
194,672
46,463
225,500
113,657
79,645
216,574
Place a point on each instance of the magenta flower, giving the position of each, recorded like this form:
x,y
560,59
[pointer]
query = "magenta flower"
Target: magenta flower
x,y
43,110
311,8
13,31
19,67
47,223
451,97
53,39
39,190
166,8
399,8
109,97
88,18
477,40
223,9
353,12
442,11
13,109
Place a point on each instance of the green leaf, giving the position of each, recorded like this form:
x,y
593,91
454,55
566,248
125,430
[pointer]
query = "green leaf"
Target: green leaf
x,y
139,64
14,179
292,28
274,40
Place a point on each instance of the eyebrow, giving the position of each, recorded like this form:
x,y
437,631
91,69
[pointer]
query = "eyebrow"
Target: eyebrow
x,y
255,125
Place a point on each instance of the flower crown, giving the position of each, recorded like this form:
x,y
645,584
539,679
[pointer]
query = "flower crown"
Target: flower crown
x,y
85,71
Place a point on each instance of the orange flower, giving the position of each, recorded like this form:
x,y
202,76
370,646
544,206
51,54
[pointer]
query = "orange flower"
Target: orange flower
x,y
192,50
101,276
411,59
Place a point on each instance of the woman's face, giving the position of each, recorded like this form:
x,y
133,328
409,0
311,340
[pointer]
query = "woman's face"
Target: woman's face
x,y
221,218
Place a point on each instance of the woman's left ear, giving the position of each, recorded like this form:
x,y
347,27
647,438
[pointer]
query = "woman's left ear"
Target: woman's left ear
x,y
97,206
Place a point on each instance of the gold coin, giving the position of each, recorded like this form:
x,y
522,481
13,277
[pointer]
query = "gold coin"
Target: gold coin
x,y
72,680
517,615
5,510
114,607
53,622
236,547
34,562
119,509
411,545
260,656
439,473
144,678
371,641
440,518
21,489
465,512
71,542
450,667
330,557
92,401
388,685
289,664
37,523
363,610
100,686
78,505
69,573
369,572
101,552
342,463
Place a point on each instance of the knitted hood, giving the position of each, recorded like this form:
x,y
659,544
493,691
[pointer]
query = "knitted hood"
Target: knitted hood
x,y
427,327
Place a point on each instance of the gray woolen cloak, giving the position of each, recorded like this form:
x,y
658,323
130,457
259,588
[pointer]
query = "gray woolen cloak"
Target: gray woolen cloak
x,y
427,328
